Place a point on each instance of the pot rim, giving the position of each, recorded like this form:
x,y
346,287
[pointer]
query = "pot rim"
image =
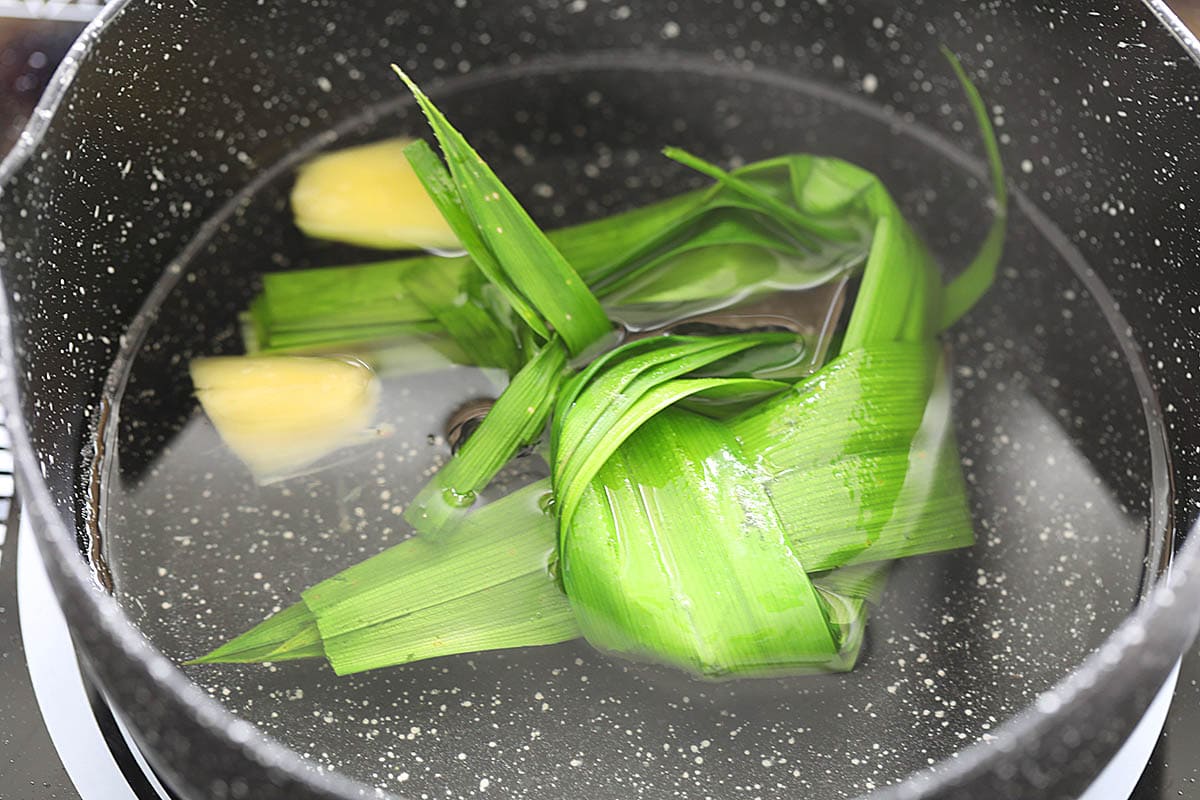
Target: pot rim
x,y
1029,726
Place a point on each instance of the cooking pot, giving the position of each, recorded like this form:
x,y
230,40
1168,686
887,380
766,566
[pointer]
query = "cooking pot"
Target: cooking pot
x,y
166,121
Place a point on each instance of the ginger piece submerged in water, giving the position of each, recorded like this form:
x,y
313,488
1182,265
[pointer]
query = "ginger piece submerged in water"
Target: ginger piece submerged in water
x,y
282,413
369,195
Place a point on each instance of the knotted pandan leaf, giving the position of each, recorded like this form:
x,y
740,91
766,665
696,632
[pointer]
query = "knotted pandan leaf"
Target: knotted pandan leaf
x,y
676,554
690,530
860,459
693,542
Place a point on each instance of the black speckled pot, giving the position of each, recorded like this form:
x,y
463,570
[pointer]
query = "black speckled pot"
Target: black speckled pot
x,y
201,97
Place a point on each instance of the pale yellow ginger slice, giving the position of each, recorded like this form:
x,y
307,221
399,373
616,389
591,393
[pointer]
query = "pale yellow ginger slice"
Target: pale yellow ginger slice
x,y
282,413
370,196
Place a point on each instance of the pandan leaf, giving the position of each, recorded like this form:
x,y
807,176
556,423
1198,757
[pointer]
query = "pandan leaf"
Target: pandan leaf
x,y
701,246
728,247
485,585
664,395
721,399
899,298
803,226
422,313
691,254
373,294
305,644
848,593
445,195
859,459
728,262
310,341
964,291
324,298
258,643
676,555
333,298
528,258
790,359
588,430
858,582
517,419
479,335
523,612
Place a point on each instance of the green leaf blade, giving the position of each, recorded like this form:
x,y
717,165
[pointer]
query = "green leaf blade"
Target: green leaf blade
x,y
578,474
527,611
586,433
258,643
481,337
529,259
517,418
803,226
485,584
968,287
860,459
441,189
661,563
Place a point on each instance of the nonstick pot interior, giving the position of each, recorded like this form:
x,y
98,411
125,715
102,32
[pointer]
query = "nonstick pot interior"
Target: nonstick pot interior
x,y
166,117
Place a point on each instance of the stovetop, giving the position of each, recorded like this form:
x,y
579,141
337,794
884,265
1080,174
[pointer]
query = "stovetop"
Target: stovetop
x,y
31,768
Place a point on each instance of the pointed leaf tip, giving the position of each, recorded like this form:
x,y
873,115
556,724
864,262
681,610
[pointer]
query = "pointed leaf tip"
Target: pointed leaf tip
x,y
972,283
268,640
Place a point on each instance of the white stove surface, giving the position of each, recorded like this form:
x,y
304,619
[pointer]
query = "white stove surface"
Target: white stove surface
x,y
63,10
59,687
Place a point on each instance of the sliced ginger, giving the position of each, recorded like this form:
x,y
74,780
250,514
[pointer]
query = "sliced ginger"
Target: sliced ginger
x,y
368,195
282,413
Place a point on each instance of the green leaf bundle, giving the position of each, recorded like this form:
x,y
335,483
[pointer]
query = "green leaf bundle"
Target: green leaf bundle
x,y
702,512
482,587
